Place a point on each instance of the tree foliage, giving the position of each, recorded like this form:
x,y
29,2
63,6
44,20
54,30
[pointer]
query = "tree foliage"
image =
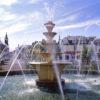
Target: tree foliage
x,y
86,55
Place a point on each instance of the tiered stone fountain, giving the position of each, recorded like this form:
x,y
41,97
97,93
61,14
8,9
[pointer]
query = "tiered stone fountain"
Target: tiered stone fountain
x,y
45,69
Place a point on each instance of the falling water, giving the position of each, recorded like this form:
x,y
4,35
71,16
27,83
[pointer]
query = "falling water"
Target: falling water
x,y
10,68
96,56
49,10
80,59
3,52
62,51
90,64
32,51
56,70
21,70
59,80
78,62
38,43
25,79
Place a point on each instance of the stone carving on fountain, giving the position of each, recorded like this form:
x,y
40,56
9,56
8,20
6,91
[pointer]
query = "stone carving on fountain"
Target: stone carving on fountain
x,y
44,68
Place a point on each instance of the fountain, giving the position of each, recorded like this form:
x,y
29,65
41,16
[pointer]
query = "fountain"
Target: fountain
x,y
45,69
49,69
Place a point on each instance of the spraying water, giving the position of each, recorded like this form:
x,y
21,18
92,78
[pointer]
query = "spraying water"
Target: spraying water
x,y
22,70
80,59
2,52
59,80
1,86
62,51
95,55
56,70
25,79
33,49
49,11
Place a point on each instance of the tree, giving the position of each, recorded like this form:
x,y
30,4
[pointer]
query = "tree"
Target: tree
x,y
86,55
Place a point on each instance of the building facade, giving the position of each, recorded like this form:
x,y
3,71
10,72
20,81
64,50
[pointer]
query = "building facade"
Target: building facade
x,y
72,46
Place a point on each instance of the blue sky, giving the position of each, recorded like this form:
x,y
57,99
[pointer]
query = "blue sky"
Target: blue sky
x,y
23,19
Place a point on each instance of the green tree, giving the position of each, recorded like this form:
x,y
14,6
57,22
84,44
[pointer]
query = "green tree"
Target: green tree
x,y
86,55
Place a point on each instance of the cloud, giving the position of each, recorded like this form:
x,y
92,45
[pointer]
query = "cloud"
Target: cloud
x,y
69,18
34,1
14,23
85,24
1,10
7,16
14,28
8,2
80,9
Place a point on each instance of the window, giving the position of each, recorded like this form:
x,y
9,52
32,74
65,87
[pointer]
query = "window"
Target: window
x,y
73,56
70,42
60,57
98,55
78,56
99,50
67,57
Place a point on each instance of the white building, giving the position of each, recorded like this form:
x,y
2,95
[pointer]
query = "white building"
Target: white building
x,y
72,46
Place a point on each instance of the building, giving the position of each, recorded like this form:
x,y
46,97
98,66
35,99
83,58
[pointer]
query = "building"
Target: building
x,y
72,46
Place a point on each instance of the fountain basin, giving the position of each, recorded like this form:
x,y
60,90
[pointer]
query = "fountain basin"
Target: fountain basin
x,y
16,88
46,73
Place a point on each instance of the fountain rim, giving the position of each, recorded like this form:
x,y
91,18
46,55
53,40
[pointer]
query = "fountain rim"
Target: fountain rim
x,y
50,63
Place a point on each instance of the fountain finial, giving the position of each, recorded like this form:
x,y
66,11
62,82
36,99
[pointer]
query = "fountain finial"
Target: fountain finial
x,y
49,25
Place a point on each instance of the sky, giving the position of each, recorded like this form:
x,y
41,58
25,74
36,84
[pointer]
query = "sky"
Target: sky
x,y
23,20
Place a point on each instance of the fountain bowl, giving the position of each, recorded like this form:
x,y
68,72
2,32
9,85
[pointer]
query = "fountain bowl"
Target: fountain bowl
x,y
46,73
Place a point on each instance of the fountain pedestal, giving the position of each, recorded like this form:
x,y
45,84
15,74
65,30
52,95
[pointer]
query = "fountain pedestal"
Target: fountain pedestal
x,y
46,75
